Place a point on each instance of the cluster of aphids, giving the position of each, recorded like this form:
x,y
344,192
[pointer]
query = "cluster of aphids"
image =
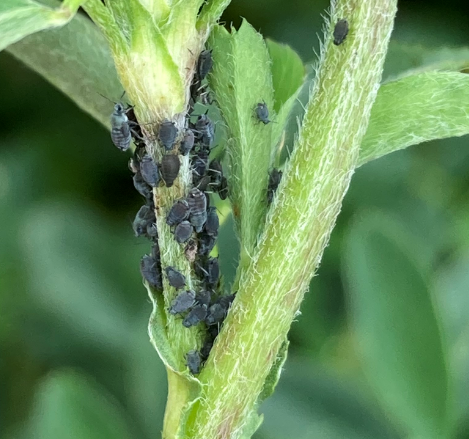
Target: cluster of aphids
x,y
193,222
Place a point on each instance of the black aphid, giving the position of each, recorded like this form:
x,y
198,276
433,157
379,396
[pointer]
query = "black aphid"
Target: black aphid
x,y
144,218
155,253
187,142
199,164
193,362
203,297
167,134
205,130
206,348
203,184
218,311
262,112
274,180
213,271
178,213
196,315
142,187
215,172
183,232
182,302
206,244
204,64
152,231
151,271
198,205
340,31
149,171
120,127
216,314
213,223
170,165
191,250
175,278
223,188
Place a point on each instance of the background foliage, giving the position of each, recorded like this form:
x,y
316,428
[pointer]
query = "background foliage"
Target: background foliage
x,y
75,360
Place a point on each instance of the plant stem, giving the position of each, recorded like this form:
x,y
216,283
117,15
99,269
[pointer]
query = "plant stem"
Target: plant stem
x,y
300,220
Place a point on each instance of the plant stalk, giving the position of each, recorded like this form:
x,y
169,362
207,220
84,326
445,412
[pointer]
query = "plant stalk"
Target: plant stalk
x,y
300,220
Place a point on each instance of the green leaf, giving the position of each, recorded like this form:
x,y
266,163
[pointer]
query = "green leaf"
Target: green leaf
x,y
416,109
405,59
288,72
275,371
395,325
241,78
70,405
19,18
211,12
157,330
75,59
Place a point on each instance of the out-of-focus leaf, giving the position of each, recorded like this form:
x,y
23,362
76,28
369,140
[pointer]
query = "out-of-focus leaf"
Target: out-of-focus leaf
x,y
309,403
66,275
396,326
451,287
75,59
19,18
288,72
405,59
417,109
69,405
241,78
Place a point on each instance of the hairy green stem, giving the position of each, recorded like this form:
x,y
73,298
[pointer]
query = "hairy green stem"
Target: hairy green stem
x,y
299,223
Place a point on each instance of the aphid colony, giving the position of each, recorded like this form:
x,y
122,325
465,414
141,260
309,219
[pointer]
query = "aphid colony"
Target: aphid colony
x,y
193,222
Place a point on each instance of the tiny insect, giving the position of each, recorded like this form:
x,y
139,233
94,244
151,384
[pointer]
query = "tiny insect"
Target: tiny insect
x,y
191,250
183,232
167,134
152,232
193,362
187,142
340,31
215,171
149,171
195,316
170,165
151,272
204,64
206,348
216,314
213,223
203,184
141,186
182,302
205,130
206,244
213,271
198,205
145,217
262,113
179,212
203,297
223,188
175,278
120,127
199,164
155,253
274,180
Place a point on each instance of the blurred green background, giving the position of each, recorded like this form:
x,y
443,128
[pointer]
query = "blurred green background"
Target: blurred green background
x,y
75,360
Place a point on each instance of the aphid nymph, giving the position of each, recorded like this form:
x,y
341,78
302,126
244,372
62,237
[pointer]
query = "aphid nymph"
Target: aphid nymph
x,y
204,64
340,31
175,278
193,362
120,127
262,112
